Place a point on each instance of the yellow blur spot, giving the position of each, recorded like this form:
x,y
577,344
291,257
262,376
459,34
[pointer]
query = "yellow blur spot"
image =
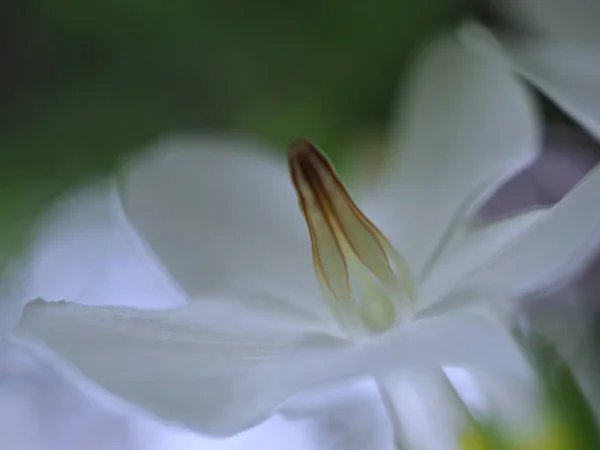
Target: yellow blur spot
x,y
475,439
554,437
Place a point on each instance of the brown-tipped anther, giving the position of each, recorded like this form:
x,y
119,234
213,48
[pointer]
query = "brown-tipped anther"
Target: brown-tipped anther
x,y
309,165
352,258
312,176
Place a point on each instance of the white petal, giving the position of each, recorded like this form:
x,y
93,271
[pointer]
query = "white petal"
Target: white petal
x,y
459,338
215,366
565,67
41,410
84,251
222,215
467,125
568,73
551,251
462,338
184,365
426,412
469,248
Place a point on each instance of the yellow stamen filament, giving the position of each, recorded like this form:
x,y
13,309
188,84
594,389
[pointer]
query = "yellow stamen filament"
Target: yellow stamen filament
x,y
353,260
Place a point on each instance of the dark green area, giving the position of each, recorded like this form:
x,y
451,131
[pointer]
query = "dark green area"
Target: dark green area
x,y
82,83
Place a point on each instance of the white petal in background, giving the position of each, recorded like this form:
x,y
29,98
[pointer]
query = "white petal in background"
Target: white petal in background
x,y
436,175
86,252
555,48
567,72
569,20
531,261
568,156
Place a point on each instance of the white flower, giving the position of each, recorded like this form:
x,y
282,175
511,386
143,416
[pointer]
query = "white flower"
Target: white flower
x,y
405,291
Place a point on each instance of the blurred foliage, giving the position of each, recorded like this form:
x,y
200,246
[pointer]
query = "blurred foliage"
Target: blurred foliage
x,y
111,74
567,404
83,83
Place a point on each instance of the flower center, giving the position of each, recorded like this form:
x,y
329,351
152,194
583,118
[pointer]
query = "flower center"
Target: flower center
x,y
364,279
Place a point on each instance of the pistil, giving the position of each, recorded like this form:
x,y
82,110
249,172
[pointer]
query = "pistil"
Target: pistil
x,y
364,279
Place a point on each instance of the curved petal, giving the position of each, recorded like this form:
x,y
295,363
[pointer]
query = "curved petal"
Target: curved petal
x,y
41,407
222,215
459,338
215,366
426,412
551,251
546,182
568,73
184,366
565,68
84,251
467,125
469,249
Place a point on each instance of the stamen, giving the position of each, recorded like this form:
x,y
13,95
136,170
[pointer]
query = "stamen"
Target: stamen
x,y
353,260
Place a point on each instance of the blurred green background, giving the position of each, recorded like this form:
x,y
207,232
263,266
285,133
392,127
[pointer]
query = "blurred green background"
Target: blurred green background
x,y
82,83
